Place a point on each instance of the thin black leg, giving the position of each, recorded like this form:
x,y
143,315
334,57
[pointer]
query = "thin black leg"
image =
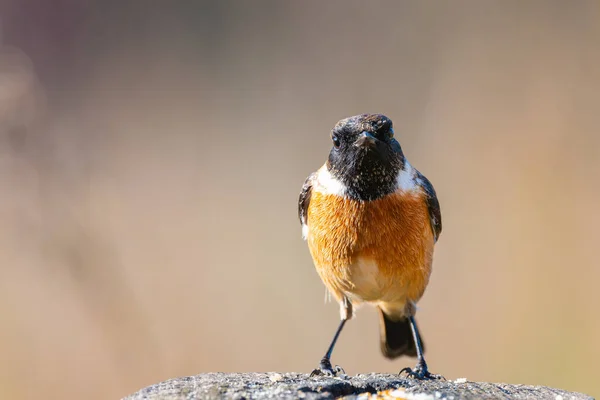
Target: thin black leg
x,y
325,367
418,342
335,338
420,371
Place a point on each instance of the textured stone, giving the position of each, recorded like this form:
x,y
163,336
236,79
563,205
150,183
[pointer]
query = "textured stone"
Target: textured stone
x,y
370,386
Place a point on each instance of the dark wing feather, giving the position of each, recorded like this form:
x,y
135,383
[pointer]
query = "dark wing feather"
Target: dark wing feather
x,y
435,215
304,199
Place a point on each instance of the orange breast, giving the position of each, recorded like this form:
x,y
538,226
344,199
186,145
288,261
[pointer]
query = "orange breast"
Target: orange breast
x,y
376,251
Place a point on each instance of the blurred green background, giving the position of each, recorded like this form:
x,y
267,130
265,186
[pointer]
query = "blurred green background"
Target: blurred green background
x,y
151,155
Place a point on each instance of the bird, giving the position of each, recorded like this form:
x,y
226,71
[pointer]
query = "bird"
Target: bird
x,y
371,221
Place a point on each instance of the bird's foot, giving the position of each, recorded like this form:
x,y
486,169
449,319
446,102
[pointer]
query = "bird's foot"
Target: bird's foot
x,y
420,372
325,369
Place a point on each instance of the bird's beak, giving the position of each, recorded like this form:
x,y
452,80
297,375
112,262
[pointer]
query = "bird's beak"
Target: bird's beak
x,y
365,139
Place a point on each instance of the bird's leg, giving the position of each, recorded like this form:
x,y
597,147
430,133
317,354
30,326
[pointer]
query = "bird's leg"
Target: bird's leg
x,y
420,371
325,367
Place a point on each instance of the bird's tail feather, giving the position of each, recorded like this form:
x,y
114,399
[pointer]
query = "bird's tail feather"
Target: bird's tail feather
x,y
396,337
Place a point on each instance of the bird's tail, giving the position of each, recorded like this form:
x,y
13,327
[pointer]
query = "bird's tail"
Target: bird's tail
x,y
396,337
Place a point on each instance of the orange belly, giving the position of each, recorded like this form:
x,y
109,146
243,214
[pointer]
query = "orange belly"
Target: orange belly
x,y
374,251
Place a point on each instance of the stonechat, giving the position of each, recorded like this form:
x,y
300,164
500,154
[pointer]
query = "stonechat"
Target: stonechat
x,y
371,221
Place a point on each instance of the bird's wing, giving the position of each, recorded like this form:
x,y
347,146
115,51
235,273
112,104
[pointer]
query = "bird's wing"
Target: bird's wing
x,y
304,201
435,215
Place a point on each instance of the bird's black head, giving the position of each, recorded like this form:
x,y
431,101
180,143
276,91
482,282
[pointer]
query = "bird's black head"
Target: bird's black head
x,y
365,156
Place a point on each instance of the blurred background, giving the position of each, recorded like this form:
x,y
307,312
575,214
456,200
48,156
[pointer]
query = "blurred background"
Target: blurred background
x,y
151,156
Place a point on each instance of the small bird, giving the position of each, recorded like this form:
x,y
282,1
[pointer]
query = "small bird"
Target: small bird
x,y
371,221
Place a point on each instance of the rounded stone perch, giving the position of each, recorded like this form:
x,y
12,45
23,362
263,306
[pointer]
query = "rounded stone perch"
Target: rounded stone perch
x,y
275,385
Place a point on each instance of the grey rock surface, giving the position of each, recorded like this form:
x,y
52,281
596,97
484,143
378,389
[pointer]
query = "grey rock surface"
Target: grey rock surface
x,y
369,386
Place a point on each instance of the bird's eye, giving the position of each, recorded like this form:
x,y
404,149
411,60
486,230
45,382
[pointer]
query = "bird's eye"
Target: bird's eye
x,y
336,141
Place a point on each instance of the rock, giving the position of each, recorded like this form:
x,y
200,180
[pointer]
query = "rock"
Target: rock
x,y
293,386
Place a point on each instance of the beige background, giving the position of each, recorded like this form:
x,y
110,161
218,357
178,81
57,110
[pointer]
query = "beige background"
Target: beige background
x,y
151,154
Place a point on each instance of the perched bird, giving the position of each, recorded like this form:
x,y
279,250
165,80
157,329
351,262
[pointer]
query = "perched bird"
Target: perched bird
x,y
371,221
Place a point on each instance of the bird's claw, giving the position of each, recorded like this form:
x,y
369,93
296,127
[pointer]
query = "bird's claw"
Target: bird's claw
x,y
421,373
325,369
